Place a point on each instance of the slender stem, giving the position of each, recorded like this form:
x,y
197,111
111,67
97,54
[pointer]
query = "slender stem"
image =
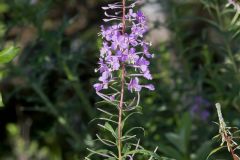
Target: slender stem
x,y
229,144
123,16
120,107
120,111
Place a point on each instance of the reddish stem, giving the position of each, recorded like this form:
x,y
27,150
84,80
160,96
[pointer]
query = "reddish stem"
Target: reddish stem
x,y
229,144
120,110
120,107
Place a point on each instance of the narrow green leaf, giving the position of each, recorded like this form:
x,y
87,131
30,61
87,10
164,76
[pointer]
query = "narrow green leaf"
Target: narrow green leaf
x,y
101,152
134,128
8,54
144,152
176,141
203,151
217,136
1,101
170,151
126,138
108,127
185,131
128,116
126,148
106,141
215,150
234,20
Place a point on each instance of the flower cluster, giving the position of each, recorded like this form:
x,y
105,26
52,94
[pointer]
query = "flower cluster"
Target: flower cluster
x,y
126,49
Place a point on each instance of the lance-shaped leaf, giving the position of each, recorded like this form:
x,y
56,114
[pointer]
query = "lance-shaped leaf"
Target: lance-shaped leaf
x,y
1,101
6,55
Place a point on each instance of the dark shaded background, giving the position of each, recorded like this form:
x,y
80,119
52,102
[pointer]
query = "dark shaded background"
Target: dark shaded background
x,y
48,94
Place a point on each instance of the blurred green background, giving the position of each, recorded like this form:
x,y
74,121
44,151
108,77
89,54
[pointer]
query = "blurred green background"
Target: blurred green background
x,y
47,89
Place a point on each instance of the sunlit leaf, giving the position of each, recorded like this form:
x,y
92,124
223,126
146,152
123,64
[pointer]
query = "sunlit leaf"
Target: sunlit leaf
x,y
1,101
3,7
8,54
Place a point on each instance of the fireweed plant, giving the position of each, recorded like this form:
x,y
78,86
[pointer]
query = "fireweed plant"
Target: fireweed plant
x,y
227,135
123,64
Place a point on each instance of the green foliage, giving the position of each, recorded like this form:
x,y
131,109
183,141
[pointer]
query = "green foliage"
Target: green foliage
x,y
24,149
1,101
228,137
51,80
179,143
6,55
109,137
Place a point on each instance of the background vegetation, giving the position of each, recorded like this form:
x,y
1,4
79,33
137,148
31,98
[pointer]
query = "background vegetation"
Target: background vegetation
x,y
47,89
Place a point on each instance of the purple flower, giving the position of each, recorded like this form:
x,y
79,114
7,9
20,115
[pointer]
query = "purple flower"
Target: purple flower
x,y
112,98
103,67
142,61
146,51
128,49
120,41
113,61
105,77
140,17
105,50
134,85
147,75
131,15
150,87
98,87
200,108
132,40
132,56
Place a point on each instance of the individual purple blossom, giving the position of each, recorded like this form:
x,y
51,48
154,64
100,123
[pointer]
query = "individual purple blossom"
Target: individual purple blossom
x,y
98,86
131,15
128,49
132,40
134,85
150,87
132,56
105,50
105,77
147,75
